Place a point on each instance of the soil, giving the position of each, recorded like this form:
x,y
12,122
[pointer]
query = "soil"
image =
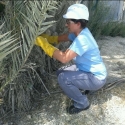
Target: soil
x,y
107,107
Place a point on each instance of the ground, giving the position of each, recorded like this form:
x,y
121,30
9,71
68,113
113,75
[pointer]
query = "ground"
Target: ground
x,y
107,106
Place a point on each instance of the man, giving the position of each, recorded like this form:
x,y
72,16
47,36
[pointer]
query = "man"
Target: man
x,y
88,71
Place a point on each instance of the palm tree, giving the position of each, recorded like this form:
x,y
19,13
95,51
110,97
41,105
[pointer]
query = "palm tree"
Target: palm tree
x,y
23,22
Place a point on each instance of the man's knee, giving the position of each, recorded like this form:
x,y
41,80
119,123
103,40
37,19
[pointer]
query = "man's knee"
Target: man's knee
x,y
60,77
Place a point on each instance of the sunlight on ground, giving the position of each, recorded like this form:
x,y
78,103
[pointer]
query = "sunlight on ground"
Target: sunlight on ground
x,y
115,110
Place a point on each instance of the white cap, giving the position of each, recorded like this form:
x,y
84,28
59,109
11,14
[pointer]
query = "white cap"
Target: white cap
x,y
77,11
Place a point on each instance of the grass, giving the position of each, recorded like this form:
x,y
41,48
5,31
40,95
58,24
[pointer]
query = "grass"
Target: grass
x,y
117,29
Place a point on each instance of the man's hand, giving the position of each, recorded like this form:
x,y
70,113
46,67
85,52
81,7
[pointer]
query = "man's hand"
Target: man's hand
x,y
51,39
43,43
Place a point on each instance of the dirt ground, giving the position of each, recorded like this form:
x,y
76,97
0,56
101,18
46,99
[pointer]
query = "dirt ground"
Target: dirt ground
x,y
107,107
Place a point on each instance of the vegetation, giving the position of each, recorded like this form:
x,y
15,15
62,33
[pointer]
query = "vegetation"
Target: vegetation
x,y
114,29
20,60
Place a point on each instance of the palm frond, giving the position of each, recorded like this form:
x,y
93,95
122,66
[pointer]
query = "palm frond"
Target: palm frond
x,y
26,20
31,23
7,44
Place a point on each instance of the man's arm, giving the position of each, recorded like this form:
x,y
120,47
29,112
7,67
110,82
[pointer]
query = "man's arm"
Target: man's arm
x,y
64,57
63,38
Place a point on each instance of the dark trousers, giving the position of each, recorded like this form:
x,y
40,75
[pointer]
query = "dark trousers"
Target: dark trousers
x,y
71,80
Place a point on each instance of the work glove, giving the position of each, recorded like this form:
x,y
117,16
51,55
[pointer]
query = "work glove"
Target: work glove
x,y
43,43
51,39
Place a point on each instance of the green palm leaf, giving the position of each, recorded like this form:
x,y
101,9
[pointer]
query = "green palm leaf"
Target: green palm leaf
x,y
30,23
7,44
26,20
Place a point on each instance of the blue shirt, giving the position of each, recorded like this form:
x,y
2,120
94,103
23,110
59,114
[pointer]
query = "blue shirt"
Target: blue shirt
x,y
88,57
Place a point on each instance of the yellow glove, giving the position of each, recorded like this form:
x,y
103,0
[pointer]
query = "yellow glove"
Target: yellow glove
x,y
43,43
51,39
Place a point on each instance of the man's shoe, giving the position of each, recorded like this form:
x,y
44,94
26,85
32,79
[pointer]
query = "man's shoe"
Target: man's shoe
x,y
73,110
87,92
